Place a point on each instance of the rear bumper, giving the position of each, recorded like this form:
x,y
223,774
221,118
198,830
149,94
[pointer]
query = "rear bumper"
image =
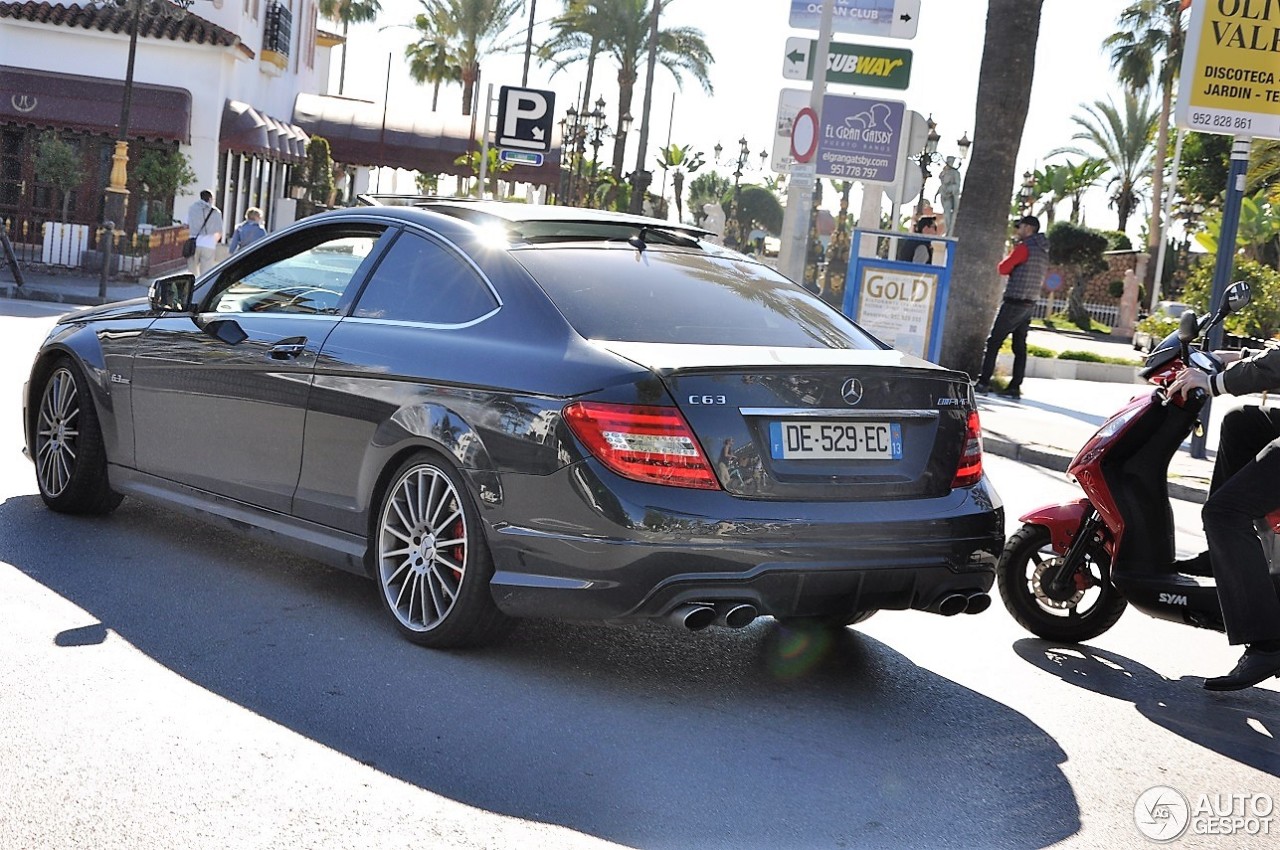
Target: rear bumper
x,y
585,545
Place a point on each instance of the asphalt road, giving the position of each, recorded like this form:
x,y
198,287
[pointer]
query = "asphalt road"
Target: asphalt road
x,y
168,684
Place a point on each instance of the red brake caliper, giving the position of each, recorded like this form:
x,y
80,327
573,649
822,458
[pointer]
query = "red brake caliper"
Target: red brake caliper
x,y
459,551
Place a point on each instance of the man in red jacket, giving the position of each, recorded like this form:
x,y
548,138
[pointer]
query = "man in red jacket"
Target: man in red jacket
x,y
1026,267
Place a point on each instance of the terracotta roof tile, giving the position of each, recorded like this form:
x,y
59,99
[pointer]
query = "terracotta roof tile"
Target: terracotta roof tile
x,y
111,18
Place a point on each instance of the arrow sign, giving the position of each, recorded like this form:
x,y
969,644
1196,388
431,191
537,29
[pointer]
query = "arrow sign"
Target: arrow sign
x,y
882,18
796,56
851,64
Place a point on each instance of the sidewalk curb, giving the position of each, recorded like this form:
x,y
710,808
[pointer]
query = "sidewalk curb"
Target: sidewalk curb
x,y
29,293
1048,458
26,293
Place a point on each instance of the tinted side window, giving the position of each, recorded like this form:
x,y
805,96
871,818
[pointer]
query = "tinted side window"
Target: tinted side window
x,y
421,281
311,280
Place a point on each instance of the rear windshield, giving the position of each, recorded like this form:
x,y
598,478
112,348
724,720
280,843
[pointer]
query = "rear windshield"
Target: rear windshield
x,y
679,297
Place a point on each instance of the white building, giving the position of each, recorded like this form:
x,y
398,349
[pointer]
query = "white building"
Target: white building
x,y
216,81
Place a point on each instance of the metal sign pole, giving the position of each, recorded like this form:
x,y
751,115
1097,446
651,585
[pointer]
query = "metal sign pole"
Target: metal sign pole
x,y
1225,265
795,219
484,141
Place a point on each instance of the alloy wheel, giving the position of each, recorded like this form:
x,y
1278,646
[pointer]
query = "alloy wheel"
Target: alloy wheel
x,y
57,433
422,548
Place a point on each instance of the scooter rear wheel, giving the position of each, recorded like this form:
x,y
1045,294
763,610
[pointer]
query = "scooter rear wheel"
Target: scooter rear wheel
x,y
1086,609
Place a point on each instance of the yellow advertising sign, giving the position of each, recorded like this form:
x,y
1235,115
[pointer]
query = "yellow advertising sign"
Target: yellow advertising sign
x,y
1230,79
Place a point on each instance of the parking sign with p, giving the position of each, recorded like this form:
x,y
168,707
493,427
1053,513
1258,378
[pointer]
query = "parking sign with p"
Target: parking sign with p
x,y
525,118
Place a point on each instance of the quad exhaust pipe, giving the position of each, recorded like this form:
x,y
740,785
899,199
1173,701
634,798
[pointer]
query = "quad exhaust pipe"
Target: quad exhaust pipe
x,y
978,602
961,603
735,615
696,616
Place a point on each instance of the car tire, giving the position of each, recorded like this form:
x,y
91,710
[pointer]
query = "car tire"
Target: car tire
x,y
70,457
431,561
1025,557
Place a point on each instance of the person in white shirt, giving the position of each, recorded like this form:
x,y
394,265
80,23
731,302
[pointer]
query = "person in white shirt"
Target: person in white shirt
x,y
205,221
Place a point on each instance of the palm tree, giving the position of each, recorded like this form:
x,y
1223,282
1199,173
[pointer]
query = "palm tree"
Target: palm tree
x,y
679,160
473,27
620,29
1146,53
432,59
1078,179
348,12
1264,168
1004,94
1050,183
576,36
1125,143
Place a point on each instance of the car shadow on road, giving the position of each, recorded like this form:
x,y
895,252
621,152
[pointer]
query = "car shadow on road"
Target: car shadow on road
x,y
645,736
1240,725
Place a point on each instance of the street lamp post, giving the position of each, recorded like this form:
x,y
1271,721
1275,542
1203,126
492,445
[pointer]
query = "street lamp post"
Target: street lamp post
x,y
734,232
573,136
925,158
1027,194
597,139
116,200
930,156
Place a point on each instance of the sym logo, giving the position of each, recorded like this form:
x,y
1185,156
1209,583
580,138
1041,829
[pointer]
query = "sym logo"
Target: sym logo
x,y
851,392
1173,599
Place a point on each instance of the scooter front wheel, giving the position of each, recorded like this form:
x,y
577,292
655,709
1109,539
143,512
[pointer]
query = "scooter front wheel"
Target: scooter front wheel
x,y
1078,609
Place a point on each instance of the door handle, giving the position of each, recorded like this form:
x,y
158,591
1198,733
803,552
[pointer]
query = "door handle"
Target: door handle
x,y
285,349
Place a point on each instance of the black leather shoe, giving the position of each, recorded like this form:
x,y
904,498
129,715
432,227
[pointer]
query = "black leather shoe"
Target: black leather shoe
x,y
1255,666
981,388
1197,566
1013,394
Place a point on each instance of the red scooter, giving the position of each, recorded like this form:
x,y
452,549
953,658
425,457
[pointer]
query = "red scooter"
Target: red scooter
x,y
1072,568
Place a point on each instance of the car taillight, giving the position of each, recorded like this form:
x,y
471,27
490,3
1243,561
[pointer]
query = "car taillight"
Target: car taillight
x,y
969,472
643,443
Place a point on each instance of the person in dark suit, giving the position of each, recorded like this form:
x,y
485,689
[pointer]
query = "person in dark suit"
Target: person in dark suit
x,y
1245,488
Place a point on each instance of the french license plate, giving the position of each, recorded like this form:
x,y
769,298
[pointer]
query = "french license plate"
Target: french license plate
x,y
804,439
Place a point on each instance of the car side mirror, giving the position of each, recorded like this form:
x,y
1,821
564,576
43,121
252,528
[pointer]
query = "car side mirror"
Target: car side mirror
x,y
172,294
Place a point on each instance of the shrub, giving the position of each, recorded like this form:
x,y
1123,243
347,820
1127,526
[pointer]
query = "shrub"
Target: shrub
x,y
1158,325
1261,318
1117,240
1032,350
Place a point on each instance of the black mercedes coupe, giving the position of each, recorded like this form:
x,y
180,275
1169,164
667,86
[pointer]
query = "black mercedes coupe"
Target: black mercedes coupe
x,y
499,411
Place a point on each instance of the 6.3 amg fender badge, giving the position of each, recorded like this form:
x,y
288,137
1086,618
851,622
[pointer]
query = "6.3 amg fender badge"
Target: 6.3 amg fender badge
x,y
851,391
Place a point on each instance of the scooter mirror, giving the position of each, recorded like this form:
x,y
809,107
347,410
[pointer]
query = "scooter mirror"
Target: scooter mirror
x,y
1238,296
1188,327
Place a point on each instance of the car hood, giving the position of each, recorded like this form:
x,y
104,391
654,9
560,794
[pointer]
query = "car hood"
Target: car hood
x,y
667,358
131,309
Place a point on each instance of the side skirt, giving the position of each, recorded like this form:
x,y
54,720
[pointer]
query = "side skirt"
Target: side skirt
x,y
335,548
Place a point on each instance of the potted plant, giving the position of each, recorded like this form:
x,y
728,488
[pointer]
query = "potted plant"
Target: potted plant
x,y
163,174
58,164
